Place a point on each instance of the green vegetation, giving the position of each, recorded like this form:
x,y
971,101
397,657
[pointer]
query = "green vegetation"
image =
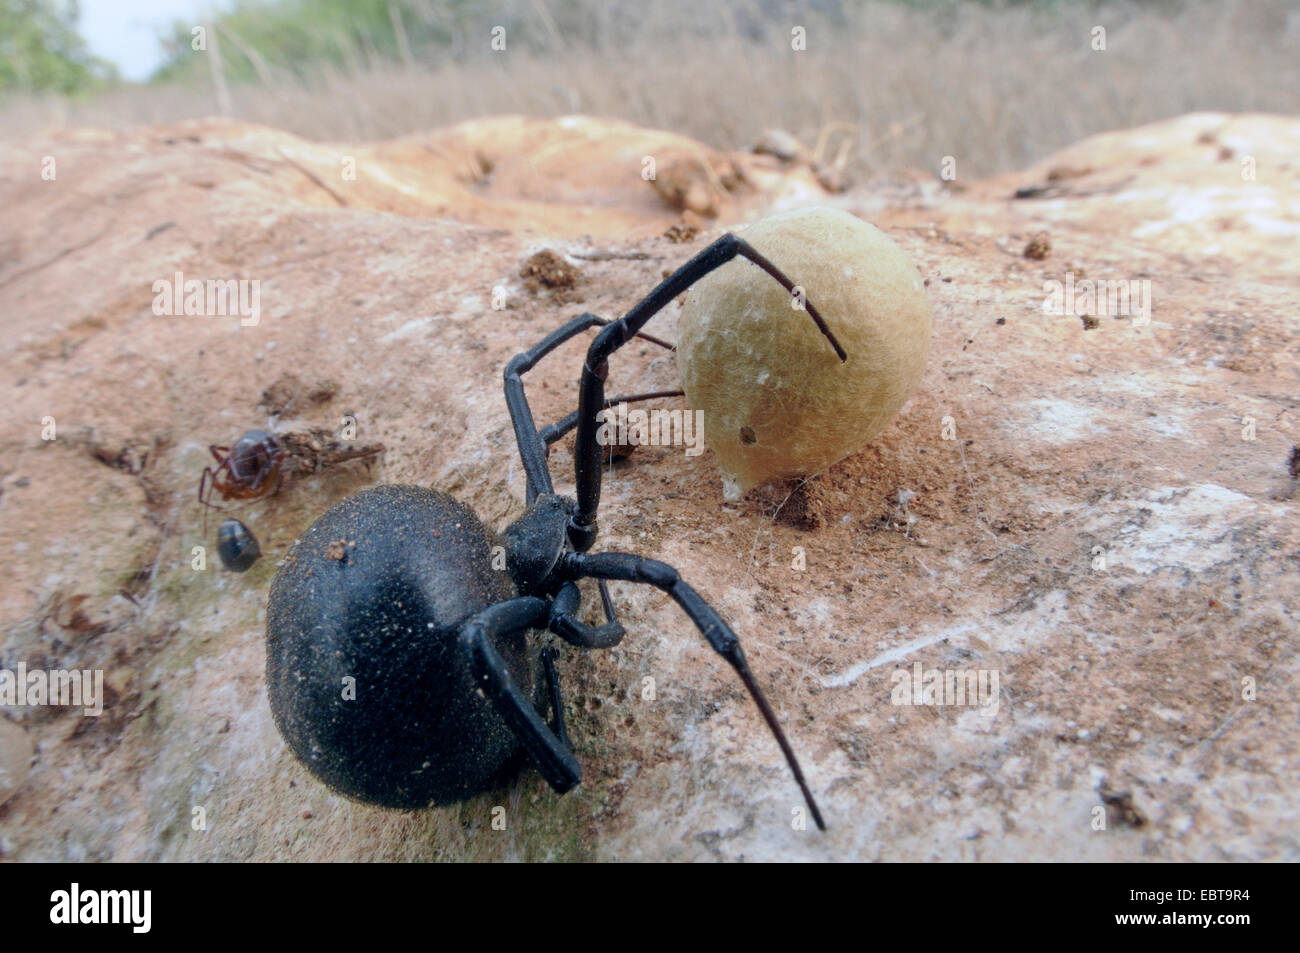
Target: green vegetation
x,y
41,51
259,38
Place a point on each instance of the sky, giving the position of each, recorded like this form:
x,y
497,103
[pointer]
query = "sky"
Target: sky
x,y
125,32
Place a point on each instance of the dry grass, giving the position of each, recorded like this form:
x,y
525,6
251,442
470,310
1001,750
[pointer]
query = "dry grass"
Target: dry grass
x,y
994,88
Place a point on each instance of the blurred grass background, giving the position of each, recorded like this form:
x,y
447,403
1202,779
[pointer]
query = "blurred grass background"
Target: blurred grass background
x,y
996,84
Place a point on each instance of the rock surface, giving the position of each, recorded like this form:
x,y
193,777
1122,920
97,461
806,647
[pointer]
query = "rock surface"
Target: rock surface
x,y
1070,501
15,759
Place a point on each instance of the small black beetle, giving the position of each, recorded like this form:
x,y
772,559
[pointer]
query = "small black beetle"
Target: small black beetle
x,y
237,546
398,664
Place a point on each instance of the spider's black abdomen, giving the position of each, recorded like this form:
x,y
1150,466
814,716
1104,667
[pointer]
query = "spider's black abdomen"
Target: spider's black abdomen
x,y
365,675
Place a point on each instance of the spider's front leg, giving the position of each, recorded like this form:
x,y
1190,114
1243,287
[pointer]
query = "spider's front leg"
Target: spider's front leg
x,y
532,450
591,392
532,443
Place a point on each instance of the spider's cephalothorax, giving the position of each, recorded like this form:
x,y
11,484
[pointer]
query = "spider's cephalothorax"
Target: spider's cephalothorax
x,y
399,667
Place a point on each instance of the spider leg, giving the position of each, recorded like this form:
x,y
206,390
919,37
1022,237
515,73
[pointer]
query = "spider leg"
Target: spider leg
x,y
532,450
218,453
564,621
207,481
606,601
555,431
662,576
208,476
548,749
555,696
591,392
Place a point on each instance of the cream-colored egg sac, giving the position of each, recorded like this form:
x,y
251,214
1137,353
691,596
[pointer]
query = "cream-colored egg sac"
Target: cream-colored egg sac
x,y
777,400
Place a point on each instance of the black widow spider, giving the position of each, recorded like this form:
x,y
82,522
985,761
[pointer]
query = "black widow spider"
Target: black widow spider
x,y
398,668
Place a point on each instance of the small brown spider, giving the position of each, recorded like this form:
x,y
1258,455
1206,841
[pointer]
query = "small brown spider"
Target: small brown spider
x,y
247,471
258,462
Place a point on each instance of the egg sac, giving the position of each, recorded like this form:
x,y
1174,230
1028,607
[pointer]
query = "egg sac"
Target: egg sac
x,y
777,401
